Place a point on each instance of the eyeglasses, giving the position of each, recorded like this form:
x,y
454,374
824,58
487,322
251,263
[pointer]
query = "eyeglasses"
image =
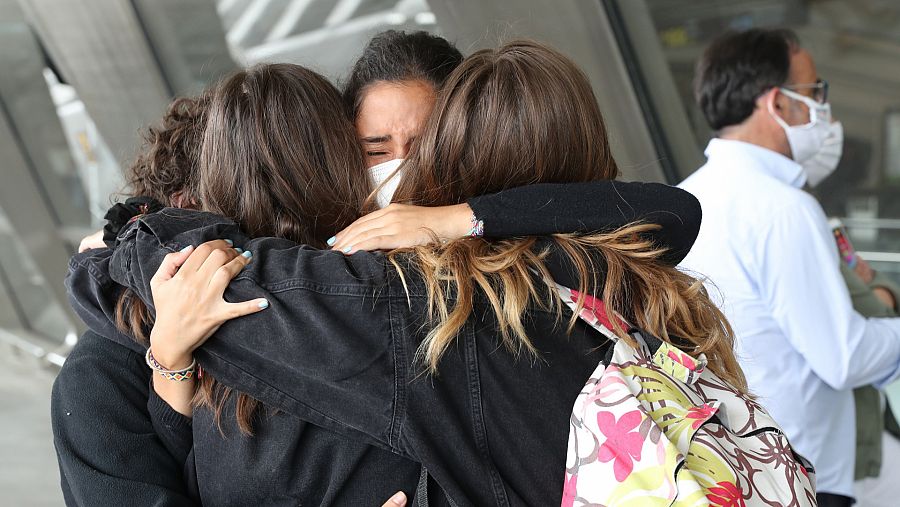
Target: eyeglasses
x,y
819,90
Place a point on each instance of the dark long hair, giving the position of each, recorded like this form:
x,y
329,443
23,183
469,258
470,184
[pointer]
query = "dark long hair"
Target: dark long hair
x,y
279,157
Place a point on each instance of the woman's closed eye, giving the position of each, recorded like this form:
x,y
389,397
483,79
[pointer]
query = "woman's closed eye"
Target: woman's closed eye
x,y
377,156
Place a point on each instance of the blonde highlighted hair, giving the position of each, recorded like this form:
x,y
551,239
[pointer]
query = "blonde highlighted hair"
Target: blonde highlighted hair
x,y
523,114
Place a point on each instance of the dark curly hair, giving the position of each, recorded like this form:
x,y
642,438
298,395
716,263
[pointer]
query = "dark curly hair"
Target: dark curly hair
x,y
394,55
166,168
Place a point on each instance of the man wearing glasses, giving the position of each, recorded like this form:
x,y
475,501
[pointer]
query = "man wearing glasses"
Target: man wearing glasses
x,y
768,252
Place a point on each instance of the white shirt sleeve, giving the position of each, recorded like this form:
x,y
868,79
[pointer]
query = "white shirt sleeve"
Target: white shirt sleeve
x,y
801,282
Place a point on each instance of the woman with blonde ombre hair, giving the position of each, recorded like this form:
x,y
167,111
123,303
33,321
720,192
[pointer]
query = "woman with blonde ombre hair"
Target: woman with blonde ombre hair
x,y
460,355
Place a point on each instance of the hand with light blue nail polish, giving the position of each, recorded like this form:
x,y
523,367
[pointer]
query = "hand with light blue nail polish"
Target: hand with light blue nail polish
x,y
191,306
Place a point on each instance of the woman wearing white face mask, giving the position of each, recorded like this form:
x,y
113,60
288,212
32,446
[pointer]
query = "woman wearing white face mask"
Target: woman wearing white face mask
x,y
392,87
389,95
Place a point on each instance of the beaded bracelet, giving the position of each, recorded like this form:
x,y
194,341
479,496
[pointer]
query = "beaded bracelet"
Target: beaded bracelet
x,y
177,375
477,229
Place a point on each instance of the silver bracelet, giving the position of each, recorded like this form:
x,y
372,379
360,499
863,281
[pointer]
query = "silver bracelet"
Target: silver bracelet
x,y
477,227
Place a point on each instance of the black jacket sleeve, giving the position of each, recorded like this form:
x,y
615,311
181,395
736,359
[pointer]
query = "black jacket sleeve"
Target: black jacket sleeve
x,y
599,206
108,451
93,296
323,351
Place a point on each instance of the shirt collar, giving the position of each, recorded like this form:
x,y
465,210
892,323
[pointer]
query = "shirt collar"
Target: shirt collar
x,y
757,158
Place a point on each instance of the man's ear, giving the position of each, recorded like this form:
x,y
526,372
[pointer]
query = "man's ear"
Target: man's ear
x,y
768,101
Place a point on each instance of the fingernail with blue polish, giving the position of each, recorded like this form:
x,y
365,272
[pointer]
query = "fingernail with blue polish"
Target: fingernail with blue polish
x,y
185,249
331,241
230,243
347,249
238,249
264,304
248,254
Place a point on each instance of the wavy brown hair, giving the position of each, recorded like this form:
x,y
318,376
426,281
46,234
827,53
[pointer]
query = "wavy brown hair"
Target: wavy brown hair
x,y
166,166
279,157
524,114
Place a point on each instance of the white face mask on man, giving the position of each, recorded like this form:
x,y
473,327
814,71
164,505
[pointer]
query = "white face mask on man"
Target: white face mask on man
x,y
817,145
825,161
386,177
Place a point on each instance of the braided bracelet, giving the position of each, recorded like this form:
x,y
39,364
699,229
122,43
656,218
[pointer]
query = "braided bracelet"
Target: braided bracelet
x,y
177,375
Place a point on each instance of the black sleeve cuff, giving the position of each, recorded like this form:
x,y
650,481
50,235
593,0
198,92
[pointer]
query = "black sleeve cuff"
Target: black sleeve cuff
x,y
599,206
174,429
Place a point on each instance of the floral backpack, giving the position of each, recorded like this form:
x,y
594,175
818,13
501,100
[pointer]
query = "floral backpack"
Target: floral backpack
x,y
652,426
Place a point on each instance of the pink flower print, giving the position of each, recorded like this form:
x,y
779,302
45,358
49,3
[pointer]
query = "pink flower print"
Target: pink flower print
x,y
700,414
595,308
683,359
570,490
725,495
622,444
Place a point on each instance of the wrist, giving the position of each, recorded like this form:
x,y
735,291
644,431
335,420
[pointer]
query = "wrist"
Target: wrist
x,y
167,353
460,221
172,360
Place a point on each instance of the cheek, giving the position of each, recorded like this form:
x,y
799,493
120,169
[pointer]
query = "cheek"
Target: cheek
x,y
401,152
799,114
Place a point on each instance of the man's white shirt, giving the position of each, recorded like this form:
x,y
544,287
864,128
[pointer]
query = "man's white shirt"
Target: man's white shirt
x,y
772,266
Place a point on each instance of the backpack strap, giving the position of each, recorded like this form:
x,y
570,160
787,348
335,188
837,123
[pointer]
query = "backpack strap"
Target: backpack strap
x,y
422,491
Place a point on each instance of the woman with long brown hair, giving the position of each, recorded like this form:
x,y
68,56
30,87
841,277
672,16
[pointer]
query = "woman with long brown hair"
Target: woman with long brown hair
x,y
298,173
457,355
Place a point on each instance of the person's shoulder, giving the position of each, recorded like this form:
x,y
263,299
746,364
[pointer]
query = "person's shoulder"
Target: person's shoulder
x,y
103,386
794,202
95,355
170,224
94,262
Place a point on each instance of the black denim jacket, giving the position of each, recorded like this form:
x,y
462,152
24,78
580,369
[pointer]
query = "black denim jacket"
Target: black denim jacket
x,y
337,348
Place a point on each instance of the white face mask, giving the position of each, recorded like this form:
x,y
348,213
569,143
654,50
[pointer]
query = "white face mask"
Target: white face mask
x,y
385,178
825,161
806,140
